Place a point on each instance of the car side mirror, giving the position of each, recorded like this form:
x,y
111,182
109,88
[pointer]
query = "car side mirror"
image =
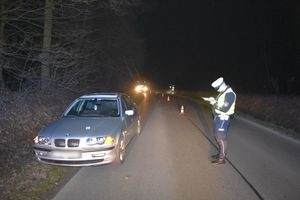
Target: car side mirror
x,y
129,112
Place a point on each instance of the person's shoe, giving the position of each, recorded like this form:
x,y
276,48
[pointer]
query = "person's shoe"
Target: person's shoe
x,y
216,156
218,161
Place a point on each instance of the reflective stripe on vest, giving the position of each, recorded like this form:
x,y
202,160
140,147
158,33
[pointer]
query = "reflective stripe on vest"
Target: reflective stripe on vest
x,y
221,103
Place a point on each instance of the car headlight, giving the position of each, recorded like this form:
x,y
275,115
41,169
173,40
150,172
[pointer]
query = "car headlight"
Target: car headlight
x,y
139,88
42,140
145,89
100,140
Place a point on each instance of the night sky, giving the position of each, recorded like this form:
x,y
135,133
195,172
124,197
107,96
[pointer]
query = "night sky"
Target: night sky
x,y
190,43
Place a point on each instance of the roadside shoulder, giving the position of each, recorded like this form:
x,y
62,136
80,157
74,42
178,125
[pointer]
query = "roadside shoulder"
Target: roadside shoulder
x,y
276,129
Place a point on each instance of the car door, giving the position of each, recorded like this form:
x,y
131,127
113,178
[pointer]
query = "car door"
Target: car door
x,y
132,122
136,118
126,119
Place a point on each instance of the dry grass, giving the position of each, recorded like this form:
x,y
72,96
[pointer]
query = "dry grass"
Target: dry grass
x,y
32,182
21,117
279,110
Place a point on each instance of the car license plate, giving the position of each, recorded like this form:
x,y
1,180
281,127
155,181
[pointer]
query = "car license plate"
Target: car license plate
x,y
66,155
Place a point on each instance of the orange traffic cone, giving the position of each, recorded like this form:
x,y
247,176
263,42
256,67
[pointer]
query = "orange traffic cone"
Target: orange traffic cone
x,y
182,110
168,99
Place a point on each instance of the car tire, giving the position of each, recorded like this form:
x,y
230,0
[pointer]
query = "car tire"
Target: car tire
x,y
139,128
120,151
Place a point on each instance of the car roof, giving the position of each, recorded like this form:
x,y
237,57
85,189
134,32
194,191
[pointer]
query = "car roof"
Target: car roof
x,y
102,95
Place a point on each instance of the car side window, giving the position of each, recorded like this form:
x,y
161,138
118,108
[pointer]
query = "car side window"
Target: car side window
x,y
124,105
130,104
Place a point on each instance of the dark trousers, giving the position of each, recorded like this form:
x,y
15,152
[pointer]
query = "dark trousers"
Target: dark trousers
x,y
221,130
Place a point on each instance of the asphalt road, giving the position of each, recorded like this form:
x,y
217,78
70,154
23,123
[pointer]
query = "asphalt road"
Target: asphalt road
x,y
170,160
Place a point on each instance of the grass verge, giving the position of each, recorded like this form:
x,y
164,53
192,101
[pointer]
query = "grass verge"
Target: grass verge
x,y
32,182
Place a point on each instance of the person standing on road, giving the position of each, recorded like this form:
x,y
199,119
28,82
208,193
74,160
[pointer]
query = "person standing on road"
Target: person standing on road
x,y
223,107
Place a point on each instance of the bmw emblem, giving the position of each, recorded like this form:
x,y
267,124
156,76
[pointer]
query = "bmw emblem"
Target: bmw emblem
x,y
87,128
68,134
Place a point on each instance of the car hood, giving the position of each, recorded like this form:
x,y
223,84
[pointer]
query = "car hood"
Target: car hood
x,y
83,127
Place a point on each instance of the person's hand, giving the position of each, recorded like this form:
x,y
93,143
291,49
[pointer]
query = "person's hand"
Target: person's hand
x,y
211,100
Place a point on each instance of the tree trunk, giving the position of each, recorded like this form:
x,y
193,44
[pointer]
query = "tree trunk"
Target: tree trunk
x,y
270,78
2,40
45,67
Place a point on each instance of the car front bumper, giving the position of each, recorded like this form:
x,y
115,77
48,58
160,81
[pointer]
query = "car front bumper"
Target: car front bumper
x,y
75,158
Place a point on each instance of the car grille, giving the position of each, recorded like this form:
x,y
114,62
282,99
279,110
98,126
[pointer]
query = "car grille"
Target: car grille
x,y
70,142
73,143
60,142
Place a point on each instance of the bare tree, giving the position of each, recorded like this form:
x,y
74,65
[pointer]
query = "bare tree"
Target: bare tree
x,y
47,36
70,44
2,39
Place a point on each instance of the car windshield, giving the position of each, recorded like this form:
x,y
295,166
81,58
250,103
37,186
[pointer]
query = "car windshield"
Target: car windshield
x,y
94,108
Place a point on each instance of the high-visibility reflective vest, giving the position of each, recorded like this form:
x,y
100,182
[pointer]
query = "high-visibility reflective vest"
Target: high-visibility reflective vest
x,y
221,103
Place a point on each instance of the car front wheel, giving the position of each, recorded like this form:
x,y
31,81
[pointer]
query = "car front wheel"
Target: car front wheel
x,y
120,151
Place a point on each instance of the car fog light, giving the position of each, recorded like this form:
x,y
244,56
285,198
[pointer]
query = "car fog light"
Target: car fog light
x,y
42,153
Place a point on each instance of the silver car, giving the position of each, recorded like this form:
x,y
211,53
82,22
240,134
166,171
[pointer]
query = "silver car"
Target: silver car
x,y
94,130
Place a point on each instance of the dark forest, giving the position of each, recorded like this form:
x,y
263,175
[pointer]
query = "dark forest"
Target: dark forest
x,y
94,45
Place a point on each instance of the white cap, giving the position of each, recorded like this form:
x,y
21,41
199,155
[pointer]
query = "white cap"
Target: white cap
x,y
217,83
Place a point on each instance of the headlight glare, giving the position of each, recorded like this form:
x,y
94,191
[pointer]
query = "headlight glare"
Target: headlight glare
x,y
145,89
